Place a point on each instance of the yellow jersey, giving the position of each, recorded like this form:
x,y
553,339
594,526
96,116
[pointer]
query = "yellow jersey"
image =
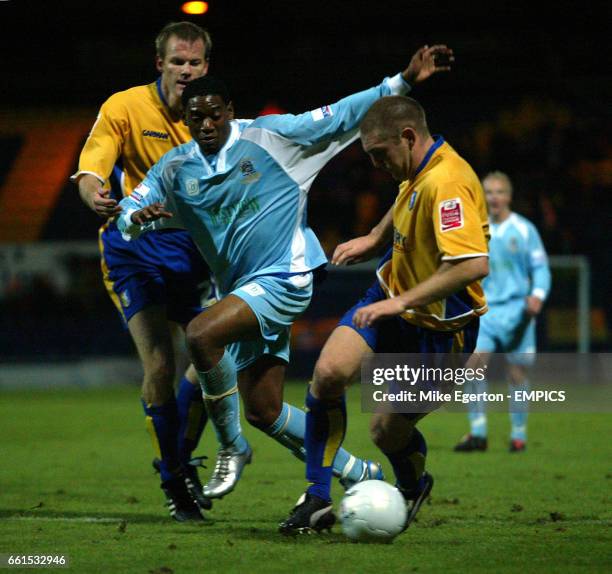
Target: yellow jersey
x,y
133,130
439,215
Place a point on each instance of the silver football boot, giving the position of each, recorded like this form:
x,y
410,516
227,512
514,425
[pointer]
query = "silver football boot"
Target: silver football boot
x,y
227,471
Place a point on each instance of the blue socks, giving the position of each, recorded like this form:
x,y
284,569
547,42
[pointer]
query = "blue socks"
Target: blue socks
x,y
220,393
325,430
518,413
477,410
163,427
192,419
289,430
409,463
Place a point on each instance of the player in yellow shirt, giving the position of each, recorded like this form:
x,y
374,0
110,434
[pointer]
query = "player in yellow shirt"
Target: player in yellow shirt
x,y
427,298
160,279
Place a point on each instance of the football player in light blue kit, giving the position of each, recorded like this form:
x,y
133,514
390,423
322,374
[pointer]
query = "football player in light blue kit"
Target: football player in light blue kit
x,y
240,188
516,288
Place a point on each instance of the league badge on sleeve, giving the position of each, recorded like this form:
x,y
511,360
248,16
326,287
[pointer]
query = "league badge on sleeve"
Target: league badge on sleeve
x,y
322,113
451,214
139,192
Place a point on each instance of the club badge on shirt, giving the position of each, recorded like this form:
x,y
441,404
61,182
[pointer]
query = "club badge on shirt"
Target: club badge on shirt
x,y
451,214
249,173
191,185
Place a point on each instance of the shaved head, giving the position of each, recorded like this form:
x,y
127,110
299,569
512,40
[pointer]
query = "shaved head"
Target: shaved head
x,y
390,115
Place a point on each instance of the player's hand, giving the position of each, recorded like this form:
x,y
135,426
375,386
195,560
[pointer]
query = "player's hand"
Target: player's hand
x,y
150,213
534,306
371,314
356,250
427,61
103,204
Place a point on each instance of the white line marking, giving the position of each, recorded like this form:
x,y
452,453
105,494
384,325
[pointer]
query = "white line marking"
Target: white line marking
x,y
67,518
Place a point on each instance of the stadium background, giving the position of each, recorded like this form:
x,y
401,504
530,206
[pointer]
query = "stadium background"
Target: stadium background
x,y
526,96
529,94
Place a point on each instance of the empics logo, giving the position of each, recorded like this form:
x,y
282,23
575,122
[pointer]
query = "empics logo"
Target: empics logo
x,y
451,214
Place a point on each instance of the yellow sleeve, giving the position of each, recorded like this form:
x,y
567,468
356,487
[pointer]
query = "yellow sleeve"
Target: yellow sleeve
x,y
105,142
460,220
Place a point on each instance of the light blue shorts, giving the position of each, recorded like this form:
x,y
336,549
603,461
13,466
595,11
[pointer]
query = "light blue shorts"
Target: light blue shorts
x,y
506,328
277,302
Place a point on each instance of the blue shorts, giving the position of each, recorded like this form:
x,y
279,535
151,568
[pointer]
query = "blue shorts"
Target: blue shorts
x,y
277,302
158,268
396,335
508,329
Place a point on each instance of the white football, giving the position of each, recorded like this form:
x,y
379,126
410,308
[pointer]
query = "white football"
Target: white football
x,y
372,511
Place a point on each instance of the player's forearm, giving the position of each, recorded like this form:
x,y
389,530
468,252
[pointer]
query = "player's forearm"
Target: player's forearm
x,y
382,233
88,189
450,278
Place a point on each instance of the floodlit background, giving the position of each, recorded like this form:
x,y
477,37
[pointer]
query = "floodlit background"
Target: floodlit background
x,y
529,95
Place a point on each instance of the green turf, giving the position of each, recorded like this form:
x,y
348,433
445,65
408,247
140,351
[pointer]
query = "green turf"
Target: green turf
x,y
71,457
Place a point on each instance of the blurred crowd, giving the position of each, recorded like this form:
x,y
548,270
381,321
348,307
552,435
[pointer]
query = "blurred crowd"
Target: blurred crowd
x,y
560,163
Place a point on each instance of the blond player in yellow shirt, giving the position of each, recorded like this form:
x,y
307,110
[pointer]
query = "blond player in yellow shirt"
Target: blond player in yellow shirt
x,y
427,298
160,279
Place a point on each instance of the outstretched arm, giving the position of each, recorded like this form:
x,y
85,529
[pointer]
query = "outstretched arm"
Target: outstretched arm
x,y
427,61
335,121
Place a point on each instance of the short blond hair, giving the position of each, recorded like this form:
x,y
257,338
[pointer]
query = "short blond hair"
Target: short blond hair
x,y
184,31
500,176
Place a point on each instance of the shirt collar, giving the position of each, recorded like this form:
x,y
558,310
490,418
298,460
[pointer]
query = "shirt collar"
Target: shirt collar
x,y
438,141
160,93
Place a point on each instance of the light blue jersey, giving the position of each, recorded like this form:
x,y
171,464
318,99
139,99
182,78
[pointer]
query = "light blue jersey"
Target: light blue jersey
x,y
245,207
517,262
518,267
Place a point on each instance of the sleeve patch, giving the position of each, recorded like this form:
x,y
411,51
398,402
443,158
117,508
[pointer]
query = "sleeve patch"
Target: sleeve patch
x,y
538,257
322,113
451,214
139,193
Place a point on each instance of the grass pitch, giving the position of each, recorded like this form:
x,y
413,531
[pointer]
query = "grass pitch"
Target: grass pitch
x,y
76,479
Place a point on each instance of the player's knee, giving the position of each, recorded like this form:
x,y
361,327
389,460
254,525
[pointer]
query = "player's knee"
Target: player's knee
x,y
199,337
330,378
